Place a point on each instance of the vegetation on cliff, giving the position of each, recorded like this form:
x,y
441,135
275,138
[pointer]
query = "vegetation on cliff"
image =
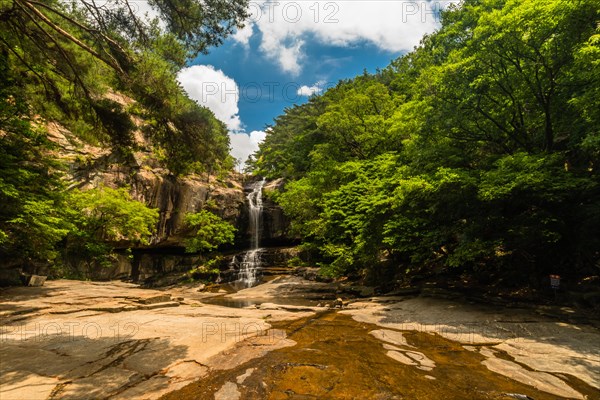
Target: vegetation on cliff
x,y
210,231
65,62
477,152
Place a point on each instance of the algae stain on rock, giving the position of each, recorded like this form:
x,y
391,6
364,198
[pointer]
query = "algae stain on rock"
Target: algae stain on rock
x,y
336,357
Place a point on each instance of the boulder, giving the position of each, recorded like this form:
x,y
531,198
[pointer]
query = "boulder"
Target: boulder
x,y
36,280
160,298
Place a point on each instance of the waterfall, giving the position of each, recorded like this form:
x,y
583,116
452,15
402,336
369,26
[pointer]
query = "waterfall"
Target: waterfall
x,y
255,208
251,260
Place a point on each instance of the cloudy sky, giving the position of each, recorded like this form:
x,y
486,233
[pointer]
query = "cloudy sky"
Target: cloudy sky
x,y
289,50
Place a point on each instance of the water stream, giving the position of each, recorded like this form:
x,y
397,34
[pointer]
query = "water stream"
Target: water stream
x,y
250,263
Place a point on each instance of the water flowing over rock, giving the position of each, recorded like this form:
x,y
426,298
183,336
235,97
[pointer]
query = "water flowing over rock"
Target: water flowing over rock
x,y
255,206
248,268
235,198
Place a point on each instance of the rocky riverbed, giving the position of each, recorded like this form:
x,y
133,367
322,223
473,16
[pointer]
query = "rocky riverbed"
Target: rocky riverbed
x,y
285,339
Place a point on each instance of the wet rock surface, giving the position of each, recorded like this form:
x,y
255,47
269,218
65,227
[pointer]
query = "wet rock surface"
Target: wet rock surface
x,y
336,358
281,340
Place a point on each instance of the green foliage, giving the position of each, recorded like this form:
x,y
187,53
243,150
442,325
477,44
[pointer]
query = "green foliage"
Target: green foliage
x,y
67,62
30,184
102,218
210,231
478,151
117,123
67,57
207,272
39,222
112,215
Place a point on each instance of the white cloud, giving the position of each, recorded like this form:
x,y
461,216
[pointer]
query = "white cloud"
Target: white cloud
x,y
393,26
243,144
242,36
215,90
308,91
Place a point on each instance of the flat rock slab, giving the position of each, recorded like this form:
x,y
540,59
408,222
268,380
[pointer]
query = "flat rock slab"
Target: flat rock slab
x,y
154,306
97,385
390,336
96,340
540,380
16,386
545,352
272,306
161,298
398,356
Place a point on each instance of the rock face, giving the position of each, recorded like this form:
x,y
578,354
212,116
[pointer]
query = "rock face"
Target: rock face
x,y
139,267
276,226
175,197
92,166
275,260
151,184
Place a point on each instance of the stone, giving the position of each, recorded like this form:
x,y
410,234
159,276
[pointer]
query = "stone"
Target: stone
x,y
518,396
36,280
542,348
187,370
229,391
367,291
310,273
338,303
242,378
421,359
286,307
97,385
140,353
109,307
154,306
398,356
161,298
156,385
393,337
31,387
540,380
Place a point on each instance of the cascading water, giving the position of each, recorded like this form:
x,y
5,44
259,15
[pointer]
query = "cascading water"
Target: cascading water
x,y
251,259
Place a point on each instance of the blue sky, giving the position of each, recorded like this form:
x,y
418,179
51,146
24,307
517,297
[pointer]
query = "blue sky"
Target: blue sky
x,y
289,50
265,90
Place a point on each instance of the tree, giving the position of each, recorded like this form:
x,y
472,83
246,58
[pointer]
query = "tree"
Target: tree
x,y
476,153
30,184
64,62
69,54
102,219
510,84
210,231
113,32
357,121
